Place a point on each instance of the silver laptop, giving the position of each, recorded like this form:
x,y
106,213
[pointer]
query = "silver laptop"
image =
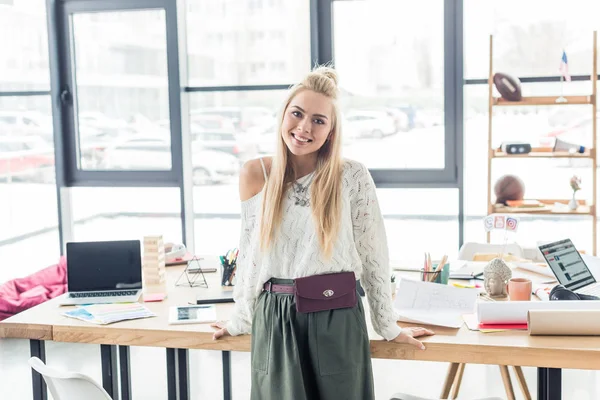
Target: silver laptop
x,y
103,272
569,268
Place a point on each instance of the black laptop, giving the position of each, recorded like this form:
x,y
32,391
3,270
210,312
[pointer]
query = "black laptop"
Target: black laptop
x,y
103,272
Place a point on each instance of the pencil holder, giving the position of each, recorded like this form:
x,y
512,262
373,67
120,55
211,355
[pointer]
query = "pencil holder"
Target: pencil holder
x,y
228,273
442,277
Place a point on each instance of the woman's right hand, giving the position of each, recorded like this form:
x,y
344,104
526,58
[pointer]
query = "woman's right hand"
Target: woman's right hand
x,y
222,330
408,335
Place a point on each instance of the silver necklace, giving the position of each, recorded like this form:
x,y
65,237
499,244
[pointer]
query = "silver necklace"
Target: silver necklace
x,y
300,193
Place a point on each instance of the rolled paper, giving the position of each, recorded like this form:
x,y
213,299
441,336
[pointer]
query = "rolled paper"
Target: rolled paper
x,y
564,322
515,312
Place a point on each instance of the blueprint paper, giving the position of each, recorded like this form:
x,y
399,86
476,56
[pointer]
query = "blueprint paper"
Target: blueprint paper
x,y
433,304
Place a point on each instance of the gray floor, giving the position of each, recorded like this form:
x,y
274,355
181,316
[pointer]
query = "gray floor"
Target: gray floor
x,y
149,374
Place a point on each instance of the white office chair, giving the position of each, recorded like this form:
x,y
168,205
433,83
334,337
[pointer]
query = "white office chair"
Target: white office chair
x,y
470,249
65,385
402,396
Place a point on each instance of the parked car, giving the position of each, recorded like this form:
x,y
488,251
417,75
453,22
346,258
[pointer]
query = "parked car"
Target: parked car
x,y
154,153
242,118
26,158
100,122
370,124
227,142
222,138
27,123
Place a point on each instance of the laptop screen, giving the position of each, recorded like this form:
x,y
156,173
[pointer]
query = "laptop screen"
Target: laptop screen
x,y
566,263
111,265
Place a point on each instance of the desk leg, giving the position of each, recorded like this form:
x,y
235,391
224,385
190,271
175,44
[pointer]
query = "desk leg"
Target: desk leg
x,y
38,349
110,379
178,375
226,375
125,367
549,383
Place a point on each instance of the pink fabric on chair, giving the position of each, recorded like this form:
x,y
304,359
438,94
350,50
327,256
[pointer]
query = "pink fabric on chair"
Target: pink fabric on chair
x,y
23,293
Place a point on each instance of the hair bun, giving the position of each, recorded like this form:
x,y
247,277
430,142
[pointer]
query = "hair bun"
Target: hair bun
x,y
328,72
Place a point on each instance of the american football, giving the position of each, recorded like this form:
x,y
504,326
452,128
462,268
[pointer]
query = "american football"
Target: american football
x,y
508,86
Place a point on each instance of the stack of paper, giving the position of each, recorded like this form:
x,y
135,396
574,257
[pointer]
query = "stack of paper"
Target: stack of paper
x,y
103,314
433,304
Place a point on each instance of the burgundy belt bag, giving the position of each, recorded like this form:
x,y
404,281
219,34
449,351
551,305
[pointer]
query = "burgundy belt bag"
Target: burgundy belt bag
x,y
325,292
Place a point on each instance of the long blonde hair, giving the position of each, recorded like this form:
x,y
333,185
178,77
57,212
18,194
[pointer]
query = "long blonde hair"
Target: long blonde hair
x,y
325,198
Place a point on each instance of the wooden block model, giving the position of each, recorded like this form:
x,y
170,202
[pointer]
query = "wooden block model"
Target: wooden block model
x,y
153,261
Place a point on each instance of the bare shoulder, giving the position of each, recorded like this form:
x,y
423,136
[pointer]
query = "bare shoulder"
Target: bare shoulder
x,y
251,177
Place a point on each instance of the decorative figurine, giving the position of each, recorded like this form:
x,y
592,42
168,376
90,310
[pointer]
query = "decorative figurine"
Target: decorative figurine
x,y
496,275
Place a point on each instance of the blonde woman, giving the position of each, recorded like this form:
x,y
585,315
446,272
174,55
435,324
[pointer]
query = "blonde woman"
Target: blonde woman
x,y
311,227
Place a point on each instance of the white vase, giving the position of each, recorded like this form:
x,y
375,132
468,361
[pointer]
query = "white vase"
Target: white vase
x,y
573,203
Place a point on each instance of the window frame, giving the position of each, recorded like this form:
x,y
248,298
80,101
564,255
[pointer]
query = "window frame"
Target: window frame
x,y
74,176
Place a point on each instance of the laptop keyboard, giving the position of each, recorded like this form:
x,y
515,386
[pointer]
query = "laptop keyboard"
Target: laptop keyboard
x,y
591,290
103,294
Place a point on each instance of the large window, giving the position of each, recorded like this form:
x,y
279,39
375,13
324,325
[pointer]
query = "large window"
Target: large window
x,y
529,36
250,45
528,42
126,213
122,90
23,46
28,202
247,42
390,56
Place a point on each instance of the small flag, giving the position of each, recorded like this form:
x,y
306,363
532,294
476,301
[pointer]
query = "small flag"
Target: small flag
x,y
512,224
564,67
488,223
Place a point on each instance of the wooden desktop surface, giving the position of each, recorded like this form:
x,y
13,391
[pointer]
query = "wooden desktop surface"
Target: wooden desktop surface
x,y
45,322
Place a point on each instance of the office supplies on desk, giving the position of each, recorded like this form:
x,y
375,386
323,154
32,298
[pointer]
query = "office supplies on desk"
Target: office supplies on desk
x,y
464,286
103,314
103,272
223,296
564,322
151,297
438,274
515,312
559,292
542,291
441,270
502,327
433,304
469,270
473,324
228,262
569,268
192,314
193,274
519,289
538,268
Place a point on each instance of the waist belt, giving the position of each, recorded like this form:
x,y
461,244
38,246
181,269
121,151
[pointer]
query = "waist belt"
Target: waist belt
x,y
278,288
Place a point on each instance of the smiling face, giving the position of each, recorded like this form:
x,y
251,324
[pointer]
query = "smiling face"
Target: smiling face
x,y
307,122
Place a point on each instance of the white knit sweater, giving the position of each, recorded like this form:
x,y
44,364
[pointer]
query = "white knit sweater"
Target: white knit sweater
x,y
361,247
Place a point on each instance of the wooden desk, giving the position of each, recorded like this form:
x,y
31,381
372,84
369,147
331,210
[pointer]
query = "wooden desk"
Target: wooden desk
x,y
44,322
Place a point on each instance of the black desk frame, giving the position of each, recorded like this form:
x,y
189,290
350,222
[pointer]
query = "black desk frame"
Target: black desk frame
x,y
549,379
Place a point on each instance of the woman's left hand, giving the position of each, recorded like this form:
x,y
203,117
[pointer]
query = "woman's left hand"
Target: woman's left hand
x,y
408,335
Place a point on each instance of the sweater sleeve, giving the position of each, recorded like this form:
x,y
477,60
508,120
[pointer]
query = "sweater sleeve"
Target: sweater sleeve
x,y
371,243
244,293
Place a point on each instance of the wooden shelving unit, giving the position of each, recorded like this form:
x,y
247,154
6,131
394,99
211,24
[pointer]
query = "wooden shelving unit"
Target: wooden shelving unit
x,y
554,206
543,152
546,101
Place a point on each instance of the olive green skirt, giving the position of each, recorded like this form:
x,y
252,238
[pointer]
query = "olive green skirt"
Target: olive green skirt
x,y
309,356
